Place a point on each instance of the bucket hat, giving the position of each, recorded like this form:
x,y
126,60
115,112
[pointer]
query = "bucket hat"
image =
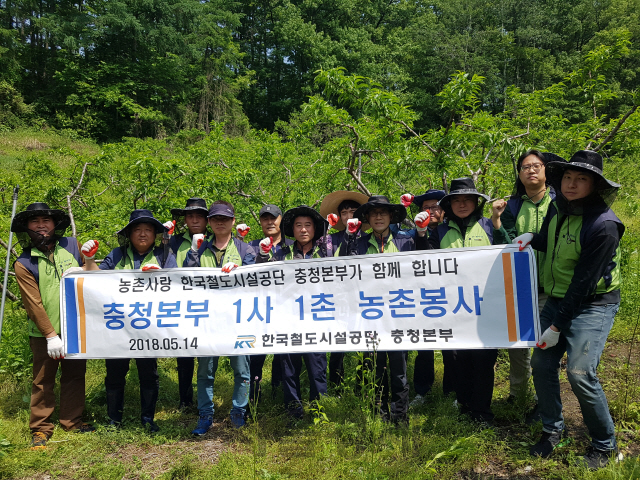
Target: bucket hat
x,y
290,215
586,161
194,204
430,194
398,212
136,217
462,186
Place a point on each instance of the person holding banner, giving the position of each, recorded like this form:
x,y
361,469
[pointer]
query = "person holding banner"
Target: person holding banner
x,y
221,250
380,214
581,236
306,226
339,207
423,370
137,250
46,256
194,217
466,227
270,219
525,212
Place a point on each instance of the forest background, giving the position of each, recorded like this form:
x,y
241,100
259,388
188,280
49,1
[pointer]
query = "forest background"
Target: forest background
x,y
107,106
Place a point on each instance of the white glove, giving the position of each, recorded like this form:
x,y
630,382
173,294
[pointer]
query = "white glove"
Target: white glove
x,y
523,240
196,241
422,221
353,225
55,348
243,229
89,249
227,267
72,270
548,339
265,245
151,266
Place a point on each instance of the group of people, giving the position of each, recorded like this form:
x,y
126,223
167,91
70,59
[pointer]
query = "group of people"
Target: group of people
x,y
560,208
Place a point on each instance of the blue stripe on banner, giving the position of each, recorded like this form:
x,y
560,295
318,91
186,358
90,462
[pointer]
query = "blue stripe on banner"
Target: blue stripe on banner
x,y
525,301
72,315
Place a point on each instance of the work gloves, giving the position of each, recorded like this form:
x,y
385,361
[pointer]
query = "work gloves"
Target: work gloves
x,y
422,221
89,249
227,267
332,218
243,229
548,339
265,245
55,348
353,225
523,240
196,241
170,226
406,199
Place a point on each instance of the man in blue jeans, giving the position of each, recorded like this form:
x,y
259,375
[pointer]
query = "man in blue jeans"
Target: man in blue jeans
x,y
581,236
225,251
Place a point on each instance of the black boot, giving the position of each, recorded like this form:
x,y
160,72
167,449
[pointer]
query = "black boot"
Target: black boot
x,y
115,405
185,381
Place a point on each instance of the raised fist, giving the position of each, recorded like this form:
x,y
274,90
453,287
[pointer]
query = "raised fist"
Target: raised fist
x,y
150,266
422,221
332,218
227,267
89,249
243,229
170,226
266,244
353,224
196,241
406,199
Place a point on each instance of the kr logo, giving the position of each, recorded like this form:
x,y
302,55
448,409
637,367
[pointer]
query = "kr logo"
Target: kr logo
x,y
249,340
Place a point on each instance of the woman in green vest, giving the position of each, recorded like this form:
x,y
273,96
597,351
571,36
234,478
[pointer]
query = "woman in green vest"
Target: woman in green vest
x,y
137,251
581,237
464,226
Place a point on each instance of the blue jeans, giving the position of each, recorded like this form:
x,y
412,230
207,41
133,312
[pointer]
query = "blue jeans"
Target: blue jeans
x,y
583,341
207,367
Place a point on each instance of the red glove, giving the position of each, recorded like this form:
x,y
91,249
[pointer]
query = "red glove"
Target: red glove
x,y
266,244
353,224
227,267
422,220
151,266
90,248
243,229
171,226
196,241
406,199
332,218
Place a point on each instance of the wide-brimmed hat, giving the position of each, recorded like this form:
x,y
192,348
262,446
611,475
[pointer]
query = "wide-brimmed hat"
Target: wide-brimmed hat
x,y
290,215
39,209
194,204
430,194
139,216
331,202
398,212
583,160
462,186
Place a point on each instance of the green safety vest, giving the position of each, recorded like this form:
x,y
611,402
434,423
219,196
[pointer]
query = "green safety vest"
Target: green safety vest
x,y
183,249
49,284
475,236
126,263
389,246
314,254
208,258
563,255
530,219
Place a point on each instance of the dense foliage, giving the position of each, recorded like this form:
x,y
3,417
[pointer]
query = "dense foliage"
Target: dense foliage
x,y
128,68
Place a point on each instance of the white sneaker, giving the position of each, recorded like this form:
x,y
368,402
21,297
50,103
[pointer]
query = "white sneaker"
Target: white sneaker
x,y
417,401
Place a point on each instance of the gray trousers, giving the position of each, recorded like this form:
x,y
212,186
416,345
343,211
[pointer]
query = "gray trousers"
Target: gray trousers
x,y
520,363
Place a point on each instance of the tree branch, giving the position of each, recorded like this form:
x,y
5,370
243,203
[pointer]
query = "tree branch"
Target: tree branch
x,y
613,132
13,250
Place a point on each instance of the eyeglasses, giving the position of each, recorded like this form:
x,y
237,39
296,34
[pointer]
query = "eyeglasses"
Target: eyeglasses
x,y
533,166
433,208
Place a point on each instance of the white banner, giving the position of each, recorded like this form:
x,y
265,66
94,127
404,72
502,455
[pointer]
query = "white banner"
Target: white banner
x,y
480,297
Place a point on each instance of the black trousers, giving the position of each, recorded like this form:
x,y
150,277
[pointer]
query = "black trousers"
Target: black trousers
x,y
316,364
424,372
474,381
336,368
256,364
185,380
115,382
391,368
